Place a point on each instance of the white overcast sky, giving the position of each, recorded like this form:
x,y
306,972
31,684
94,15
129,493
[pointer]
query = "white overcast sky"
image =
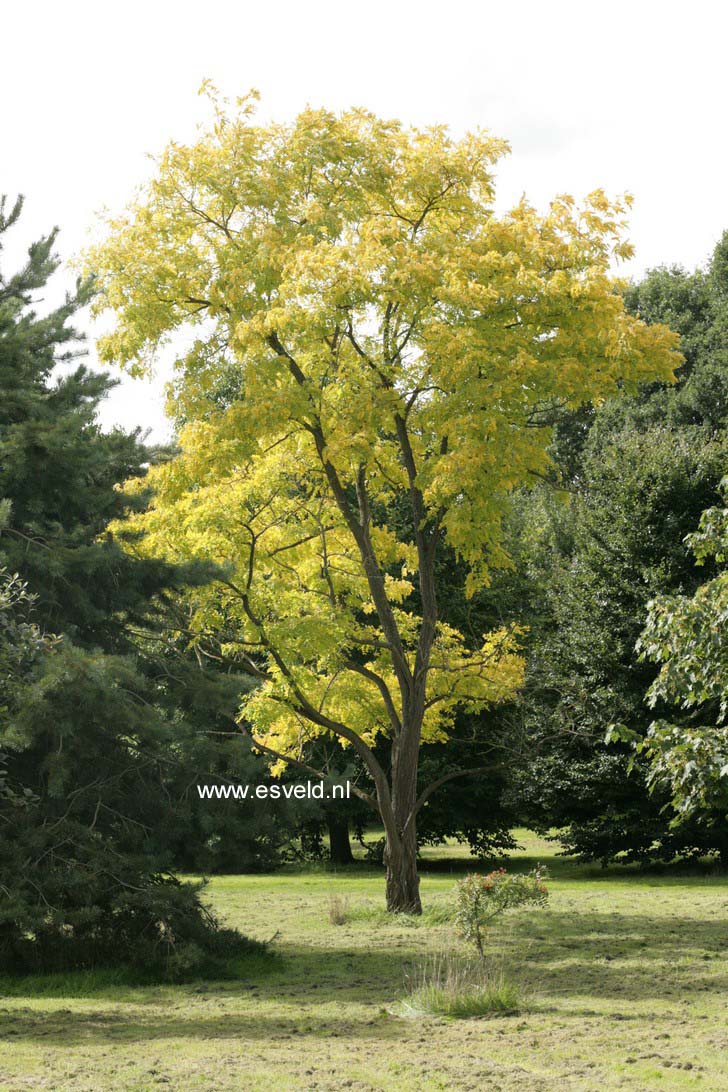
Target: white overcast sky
x,y
624,95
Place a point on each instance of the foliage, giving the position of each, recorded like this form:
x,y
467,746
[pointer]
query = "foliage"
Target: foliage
x,y
368,335
601,559
639,471
76,890
95,910
80,808
475,809
70,899
60,474
687,638
481,899
97,752
92,738
336,818
120,706
21,645
696,305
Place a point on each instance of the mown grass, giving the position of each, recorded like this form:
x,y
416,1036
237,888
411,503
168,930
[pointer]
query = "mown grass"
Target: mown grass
x,y
624,977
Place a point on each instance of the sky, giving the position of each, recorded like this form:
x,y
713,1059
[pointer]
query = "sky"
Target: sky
x,y
630,96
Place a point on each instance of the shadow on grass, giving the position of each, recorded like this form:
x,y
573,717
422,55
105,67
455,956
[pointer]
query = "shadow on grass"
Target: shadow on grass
x,y
608,956
566,868
130,982
65,1028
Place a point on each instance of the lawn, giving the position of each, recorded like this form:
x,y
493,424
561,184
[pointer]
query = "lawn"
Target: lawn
x,y
625,974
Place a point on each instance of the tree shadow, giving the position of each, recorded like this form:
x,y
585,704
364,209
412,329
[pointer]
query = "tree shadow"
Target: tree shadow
x,y
614,956
568,868
66,1028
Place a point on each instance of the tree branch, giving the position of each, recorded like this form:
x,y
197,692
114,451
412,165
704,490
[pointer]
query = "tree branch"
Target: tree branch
x,y
384,690
435,785
305,766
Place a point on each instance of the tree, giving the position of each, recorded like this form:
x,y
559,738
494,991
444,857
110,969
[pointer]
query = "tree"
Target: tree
x,y
687,638
59,473
97,750
367,334
640,470
696,306
21,645
74,892
600,559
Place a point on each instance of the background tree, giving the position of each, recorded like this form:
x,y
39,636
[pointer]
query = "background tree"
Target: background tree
x,y
639,470
618,544
100,727
59,473
394,343
687,638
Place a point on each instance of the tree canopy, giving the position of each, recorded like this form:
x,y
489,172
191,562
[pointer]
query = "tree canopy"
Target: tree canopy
x,y
98,750
365,332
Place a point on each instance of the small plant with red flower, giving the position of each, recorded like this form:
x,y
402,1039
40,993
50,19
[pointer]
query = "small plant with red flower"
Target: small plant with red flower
x,y
481,899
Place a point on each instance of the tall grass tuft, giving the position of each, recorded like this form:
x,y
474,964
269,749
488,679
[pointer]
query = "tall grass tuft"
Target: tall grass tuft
x,y
338,910
447,986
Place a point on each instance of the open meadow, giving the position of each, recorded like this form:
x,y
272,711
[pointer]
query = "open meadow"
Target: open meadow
x,y
624,974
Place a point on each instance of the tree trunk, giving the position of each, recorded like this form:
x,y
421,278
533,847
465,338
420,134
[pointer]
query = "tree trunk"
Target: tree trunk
x,y
400,854
339,844
403,883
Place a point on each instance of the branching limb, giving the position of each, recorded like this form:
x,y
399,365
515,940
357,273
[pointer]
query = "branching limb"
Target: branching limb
x,y
383,689
365,796
435,785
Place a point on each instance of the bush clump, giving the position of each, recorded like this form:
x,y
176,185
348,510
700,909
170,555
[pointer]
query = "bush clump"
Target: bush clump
x,y
96,910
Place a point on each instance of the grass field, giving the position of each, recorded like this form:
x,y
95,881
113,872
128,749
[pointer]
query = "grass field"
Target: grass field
x,y
626,977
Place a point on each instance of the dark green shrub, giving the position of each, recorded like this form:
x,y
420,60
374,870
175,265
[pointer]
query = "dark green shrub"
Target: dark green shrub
x,y
96,909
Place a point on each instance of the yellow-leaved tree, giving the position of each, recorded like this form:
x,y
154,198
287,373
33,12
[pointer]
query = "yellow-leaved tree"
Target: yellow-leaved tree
x,y
367,338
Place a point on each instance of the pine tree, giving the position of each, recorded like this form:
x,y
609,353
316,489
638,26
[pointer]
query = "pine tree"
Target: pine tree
x,y
59,473
98,722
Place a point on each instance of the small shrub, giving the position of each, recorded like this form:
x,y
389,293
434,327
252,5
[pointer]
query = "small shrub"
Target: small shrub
x,y
481,899
338,909
445,986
